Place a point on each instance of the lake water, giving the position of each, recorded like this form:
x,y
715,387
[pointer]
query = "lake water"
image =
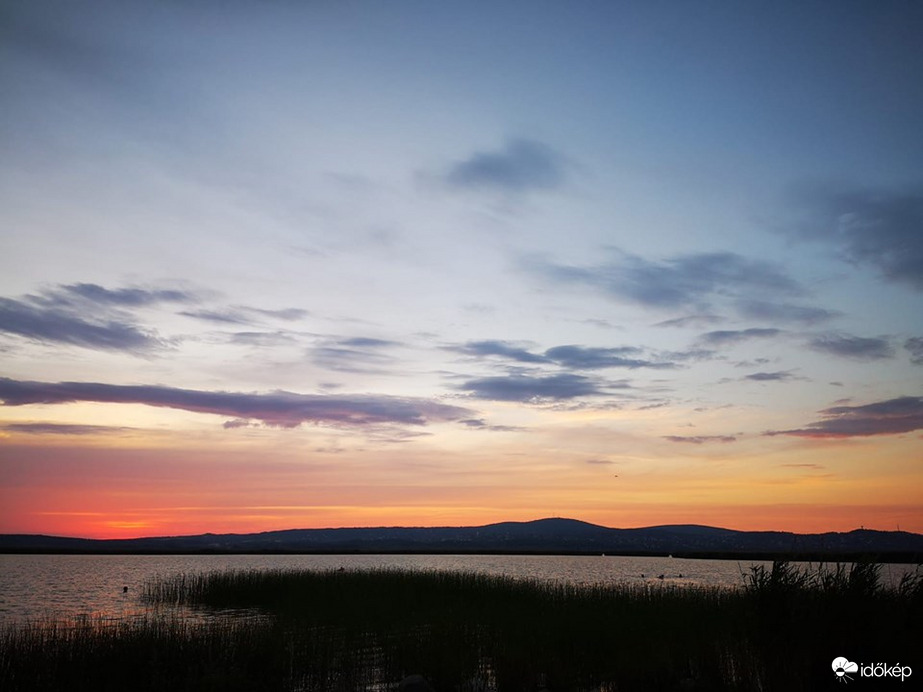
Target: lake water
x,y
65,586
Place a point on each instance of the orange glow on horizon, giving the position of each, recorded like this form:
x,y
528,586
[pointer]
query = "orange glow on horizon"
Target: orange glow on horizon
x,y
125,489
185,521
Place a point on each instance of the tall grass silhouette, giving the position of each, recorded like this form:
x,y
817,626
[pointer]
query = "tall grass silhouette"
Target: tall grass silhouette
x,y
365,630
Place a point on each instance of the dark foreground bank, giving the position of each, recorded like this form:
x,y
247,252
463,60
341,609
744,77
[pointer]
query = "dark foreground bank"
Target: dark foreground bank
x,y
356,630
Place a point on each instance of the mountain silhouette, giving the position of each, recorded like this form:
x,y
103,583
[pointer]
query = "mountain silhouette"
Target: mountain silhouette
x,y
542,536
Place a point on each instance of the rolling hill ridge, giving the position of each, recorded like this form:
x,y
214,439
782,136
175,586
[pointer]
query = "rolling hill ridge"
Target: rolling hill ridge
x,y
542,536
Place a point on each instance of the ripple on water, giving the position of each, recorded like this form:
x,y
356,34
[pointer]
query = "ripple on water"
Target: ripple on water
x,y
67,586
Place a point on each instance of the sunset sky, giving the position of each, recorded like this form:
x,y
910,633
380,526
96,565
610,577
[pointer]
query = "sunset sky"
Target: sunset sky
x,y
270,265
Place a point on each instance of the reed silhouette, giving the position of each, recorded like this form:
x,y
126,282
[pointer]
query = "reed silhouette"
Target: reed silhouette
x,y
362,630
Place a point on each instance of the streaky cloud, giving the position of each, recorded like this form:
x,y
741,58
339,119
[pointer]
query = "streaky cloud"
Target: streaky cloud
x,y
691,354
569,356
679,282
126,297
692,321
355,354
481,424
890,417
218,316
367,342
854,347
53,325
261,339
520,166
914,346
779,376
589,358
245,315
287,314
529,389
277,408
880,228
503,349
784,312
62,429
700,439
729,337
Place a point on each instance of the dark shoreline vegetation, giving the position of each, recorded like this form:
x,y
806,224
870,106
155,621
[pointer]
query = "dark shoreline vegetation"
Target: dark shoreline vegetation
x,y
891,557
548,536
297,630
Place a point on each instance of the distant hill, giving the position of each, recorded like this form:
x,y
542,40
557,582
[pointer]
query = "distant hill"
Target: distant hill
x,y
543,536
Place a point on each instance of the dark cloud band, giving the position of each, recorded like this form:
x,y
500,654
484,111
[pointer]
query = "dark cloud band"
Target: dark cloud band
x,y
883,229
854,347
55,325
569,356
700,439
685,281
526,388
891,417
279,408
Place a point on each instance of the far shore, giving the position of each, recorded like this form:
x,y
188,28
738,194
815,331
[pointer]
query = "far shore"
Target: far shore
x,y
910,558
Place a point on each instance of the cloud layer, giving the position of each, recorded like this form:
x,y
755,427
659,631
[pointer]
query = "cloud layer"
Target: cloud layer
x,y
890,417
520,166
691,281
700,439
569,356
532,389
855,347
87,315
729,337
279,408
883,229
63,326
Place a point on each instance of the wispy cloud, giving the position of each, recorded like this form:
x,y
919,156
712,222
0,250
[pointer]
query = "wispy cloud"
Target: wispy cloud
x,y
88,315
697,321
65,326
883,229
219,316
287,314
854,347
890,417
503,349
679,282
779,376
481,424
520,166
242,314
569,356
595,358
914,346
124,297
278,408
755,309
700,439
61,429
355,354
260,339
532,389
729,337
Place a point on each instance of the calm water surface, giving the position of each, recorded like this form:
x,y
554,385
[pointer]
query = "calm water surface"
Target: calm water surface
x,y
64,586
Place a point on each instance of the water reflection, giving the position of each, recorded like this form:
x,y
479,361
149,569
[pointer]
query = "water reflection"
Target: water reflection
x,y
110,586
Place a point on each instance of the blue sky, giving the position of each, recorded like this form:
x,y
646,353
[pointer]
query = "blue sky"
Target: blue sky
x,y
432,263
